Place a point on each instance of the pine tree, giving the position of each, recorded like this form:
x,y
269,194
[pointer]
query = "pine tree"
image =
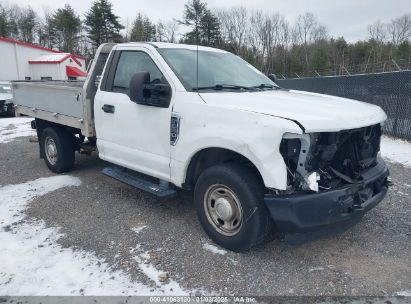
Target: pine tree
x,y
210,29
66,26
4,22
27,23
143,29
194,11
205,25
14,16
45,31
102,25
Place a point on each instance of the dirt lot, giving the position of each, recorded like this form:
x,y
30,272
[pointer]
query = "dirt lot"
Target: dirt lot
x,y
159,244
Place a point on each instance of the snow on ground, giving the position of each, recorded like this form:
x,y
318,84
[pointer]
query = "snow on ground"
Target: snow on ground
x,y
214,249
138,229
396,150
161,278
33,263
14,127
405,293
313,269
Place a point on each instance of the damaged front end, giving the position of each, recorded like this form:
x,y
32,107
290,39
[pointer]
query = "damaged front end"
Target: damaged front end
x,y
333,179
327,160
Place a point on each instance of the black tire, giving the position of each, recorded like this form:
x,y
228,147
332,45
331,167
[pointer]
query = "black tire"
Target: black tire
x,y
64,143
249,189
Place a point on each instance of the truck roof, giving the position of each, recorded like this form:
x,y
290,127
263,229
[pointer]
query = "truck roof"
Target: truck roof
x,y
173,46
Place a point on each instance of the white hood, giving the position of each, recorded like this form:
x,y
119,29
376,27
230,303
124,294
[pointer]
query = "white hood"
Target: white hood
x,y
315,112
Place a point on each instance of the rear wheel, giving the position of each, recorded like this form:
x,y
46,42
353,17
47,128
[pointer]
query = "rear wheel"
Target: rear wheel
x,y
57,147
230,207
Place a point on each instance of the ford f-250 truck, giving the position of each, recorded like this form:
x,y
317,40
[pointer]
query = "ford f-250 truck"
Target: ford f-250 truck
x,y
256,156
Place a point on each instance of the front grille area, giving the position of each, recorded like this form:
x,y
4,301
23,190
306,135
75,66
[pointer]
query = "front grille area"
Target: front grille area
x,y
338,157
342,156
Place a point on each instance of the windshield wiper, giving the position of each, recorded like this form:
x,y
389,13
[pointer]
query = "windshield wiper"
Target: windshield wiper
x,y
222,87
264,86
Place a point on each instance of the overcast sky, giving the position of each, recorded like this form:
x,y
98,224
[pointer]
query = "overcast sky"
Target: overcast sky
x,y
348,18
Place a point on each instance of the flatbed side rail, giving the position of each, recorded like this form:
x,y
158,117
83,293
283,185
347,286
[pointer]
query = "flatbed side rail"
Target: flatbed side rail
x,y
59,102
53,117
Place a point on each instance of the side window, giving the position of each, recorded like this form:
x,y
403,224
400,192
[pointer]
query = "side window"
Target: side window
x,y
131,62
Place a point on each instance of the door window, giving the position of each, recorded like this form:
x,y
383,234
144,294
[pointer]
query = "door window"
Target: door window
x,y
131,62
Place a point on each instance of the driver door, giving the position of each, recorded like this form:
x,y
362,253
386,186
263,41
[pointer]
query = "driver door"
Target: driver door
x,y
132,135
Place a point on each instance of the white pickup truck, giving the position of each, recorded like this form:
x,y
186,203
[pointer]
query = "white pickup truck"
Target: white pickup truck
x,y
258,157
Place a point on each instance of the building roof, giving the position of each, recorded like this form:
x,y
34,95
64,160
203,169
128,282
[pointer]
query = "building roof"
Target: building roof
x,y
39,47
54,58
75,71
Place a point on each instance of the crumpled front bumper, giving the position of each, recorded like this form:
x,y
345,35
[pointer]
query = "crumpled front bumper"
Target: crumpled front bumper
x,y
325,212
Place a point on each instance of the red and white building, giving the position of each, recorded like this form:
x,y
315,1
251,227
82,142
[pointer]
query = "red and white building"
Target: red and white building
x,y
24,61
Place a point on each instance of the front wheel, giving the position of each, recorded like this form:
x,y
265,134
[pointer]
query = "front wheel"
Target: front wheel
x,y
57,148
229,202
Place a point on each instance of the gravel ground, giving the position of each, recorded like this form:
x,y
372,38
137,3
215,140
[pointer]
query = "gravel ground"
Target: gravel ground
x,y
110,219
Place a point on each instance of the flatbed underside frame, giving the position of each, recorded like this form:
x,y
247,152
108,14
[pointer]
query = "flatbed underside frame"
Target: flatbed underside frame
x,y
57,118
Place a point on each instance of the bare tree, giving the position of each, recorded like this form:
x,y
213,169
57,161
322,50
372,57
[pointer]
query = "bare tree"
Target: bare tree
x,y
271,36
257,35
307,30
400,29
167,31
377,31
254,39
284,44
234,24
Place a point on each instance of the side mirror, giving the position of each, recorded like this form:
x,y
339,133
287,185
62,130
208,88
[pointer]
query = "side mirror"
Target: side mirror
x,y
146,93
273,78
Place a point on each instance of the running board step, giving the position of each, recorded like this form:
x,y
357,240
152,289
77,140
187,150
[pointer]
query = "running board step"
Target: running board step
x,y
123,176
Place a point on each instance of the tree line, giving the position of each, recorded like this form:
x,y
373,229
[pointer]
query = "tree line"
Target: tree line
x,y
266,40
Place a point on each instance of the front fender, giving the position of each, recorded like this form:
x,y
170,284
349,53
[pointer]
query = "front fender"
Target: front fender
x,y
255,136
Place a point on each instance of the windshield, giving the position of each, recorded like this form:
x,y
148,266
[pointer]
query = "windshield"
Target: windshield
x,y
216,70
5,88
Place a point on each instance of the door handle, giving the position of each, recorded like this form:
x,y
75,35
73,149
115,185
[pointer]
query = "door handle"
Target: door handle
x,y
108,108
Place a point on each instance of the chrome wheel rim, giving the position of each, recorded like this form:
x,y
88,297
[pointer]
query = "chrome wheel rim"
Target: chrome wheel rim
x,y
223,210
50,149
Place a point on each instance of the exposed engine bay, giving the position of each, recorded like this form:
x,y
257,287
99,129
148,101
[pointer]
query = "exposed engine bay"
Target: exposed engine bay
x,y
327,160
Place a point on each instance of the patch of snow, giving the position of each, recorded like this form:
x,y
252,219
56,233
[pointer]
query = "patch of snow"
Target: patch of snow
x,y
11,128
138,229
233,261
171,287
396,150
405,293
214,249
33,263
316,269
